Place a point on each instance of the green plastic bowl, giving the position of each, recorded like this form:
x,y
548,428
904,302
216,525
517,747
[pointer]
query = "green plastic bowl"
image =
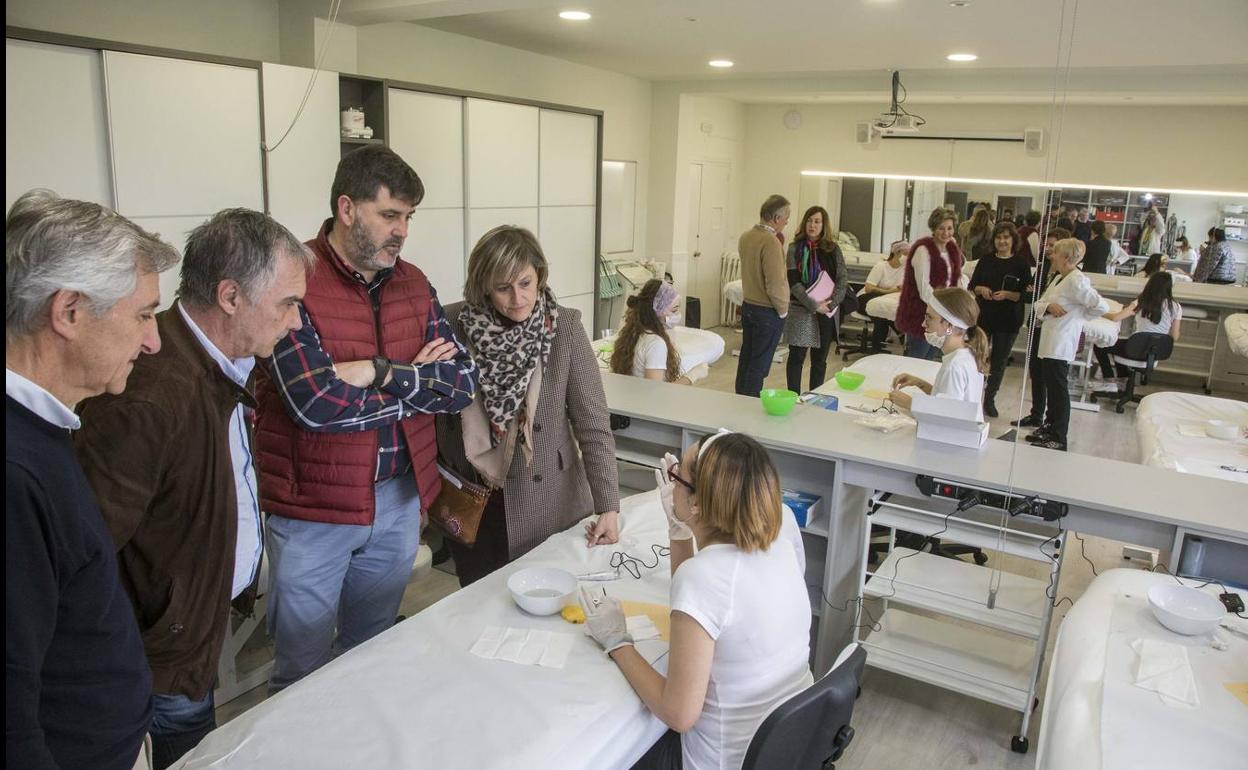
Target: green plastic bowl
x,y
849,380
778,402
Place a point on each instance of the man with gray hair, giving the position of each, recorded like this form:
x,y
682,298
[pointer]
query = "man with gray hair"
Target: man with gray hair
x,y
765,285
80,297
171,461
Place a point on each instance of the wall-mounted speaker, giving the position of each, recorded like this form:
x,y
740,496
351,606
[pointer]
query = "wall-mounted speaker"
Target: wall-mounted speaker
x,y
865,134
1033,140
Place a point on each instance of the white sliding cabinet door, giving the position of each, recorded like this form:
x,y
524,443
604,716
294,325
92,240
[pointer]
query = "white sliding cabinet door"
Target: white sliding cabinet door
x,y
502,155
301,168
55,126
185,135
427,131
568,218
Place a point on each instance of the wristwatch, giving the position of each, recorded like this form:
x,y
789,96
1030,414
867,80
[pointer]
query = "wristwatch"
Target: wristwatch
x,y
382,367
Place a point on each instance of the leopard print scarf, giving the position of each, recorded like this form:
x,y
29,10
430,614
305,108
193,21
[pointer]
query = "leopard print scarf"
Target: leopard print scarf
x,y
507,355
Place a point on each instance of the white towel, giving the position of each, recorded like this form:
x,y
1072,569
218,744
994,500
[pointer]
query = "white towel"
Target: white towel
x,y
1164,669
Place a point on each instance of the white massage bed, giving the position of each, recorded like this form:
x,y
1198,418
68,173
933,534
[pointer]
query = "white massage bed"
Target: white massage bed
x,y
1236,325
694,346
414,697
1095,718
1162,421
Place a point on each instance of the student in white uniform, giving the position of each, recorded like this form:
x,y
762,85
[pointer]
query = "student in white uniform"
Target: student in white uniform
x,y
1066,304
886,277
740,635
643,347
950,326
1155,312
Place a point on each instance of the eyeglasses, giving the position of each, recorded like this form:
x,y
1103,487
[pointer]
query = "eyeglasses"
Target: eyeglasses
x,y
672,477
887,407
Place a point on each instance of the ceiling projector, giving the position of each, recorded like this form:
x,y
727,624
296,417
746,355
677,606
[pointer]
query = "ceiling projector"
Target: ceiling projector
x,y
891,124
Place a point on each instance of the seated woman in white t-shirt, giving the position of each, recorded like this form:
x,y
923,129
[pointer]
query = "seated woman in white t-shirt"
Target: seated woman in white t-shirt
x,y
1155,311
950,326
740,632
643,347
885,277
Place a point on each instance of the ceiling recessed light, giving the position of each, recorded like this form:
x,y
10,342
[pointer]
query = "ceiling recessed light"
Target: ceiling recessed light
x,y
721,63
961,57
574,15
959,3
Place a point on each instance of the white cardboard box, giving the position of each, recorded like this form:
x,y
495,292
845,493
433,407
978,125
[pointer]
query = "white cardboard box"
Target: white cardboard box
x,y
949,420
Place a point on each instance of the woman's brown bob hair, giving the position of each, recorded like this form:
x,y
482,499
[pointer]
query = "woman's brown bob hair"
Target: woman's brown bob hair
x,y
738,492
499,256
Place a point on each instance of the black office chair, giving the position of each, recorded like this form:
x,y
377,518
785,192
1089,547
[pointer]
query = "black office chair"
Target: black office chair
x,y
1141,354
811,730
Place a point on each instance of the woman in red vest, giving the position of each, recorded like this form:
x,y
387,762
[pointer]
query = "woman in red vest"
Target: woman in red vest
x,y
935,263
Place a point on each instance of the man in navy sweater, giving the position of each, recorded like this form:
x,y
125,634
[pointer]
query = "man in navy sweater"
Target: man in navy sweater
x,y
80,304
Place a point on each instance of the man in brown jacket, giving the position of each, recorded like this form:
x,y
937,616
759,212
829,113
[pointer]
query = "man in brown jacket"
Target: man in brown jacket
x,y
765,284
170,461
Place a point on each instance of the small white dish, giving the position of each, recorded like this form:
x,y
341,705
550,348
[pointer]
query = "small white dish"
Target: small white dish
x,y
1221,429
1185,610
541,590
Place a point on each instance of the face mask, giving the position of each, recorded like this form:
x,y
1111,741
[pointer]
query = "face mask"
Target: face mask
x,y
936,340
671,320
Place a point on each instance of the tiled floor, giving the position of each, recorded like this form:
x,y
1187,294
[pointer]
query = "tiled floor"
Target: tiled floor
x,y
901,722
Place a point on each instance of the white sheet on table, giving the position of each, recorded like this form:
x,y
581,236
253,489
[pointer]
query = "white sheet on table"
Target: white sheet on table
x,y
415,697
694,346
879,370
1076,704
884,306
1236,326
1141,729
1165,443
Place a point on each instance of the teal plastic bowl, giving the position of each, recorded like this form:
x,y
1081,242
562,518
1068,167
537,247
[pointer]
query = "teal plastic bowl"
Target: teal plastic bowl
x,y
778,402
847,380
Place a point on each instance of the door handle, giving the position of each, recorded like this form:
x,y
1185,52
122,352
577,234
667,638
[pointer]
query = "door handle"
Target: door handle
x,y
697,254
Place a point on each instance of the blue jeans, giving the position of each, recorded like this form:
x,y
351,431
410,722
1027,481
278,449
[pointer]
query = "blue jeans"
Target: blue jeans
x,y
917,347
760,334
334,586
178,725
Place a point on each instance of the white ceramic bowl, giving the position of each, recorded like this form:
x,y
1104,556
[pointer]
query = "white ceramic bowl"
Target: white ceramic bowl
x,y
1222,429
542,590
1185,610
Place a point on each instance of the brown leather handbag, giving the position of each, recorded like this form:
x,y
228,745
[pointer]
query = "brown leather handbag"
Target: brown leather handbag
x,y
458,508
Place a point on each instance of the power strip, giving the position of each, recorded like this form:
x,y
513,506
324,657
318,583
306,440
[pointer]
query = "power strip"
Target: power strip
x,y
1015,505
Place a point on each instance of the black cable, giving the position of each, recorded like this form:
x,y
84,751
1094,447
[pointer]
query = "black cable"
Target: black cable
x,y
1084,554
621,559
875,622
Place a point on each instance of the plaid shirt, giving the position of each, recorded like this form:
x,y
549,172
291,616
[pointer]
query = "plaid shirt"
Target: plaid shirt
x,y
317,400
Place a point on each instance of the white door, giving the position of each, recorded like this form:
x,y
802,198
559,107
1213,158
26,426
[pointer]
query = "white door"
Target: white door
x,y
708,214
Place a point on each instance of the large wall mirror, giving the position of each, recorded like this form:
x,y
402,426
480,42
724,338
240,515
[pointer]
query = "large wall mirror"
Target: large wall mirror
x,y
619,196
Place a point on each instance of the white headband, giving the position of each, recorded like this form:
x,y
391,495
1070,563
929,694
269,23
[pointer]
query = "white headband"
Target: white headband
x,y
944,313
706,442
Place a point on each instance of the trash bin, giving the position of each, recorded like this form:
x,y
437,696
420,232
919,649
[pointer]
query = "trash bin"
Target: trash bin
x,y
693,313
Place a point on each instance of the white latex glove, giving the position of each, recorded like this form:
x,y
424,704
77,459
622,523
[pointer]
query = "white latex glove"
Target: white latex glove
x,y
676,529
604,617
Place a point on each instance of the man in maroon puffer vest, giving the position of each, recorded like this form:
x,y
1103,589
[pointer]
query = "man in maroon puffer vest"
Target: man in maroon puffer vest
x,y
344,433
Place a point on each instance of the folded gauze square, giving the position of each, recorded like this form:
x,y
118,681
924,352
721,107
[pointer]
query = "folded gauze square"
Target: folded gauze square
x,y
1164,669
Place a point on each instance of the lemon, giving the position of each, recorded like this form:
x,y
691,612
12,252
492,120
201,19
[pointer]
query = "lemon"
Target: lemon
x,y
573,614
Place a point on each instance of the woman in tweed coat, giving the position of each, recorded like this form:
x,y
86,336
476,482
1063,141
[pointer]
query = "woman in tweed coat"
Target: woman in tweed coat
x,y
813,251
538,430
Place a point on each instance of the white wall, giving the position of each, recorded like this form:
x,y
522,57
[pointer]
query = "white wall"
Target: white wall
x,y
455,61
1166,147
247,29
679,140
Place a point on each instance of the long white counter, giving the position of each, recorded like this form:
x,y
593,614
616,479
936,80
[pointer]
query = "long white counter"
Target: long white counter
x,y
827,453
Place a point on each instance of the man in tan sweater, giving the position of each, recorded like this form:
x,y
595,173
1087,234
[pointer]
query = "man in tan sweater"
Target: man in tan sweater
x,y
765,284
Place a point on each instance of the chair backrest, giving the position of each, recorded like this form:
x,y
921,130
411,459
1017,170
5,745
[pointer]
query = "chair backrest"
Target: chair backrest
x,y
1144,349
811,729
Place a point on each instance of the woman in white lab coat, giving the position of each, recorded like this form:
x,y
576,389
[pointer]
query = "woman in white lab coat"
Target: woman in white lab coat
x,y
950,325
1066,304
